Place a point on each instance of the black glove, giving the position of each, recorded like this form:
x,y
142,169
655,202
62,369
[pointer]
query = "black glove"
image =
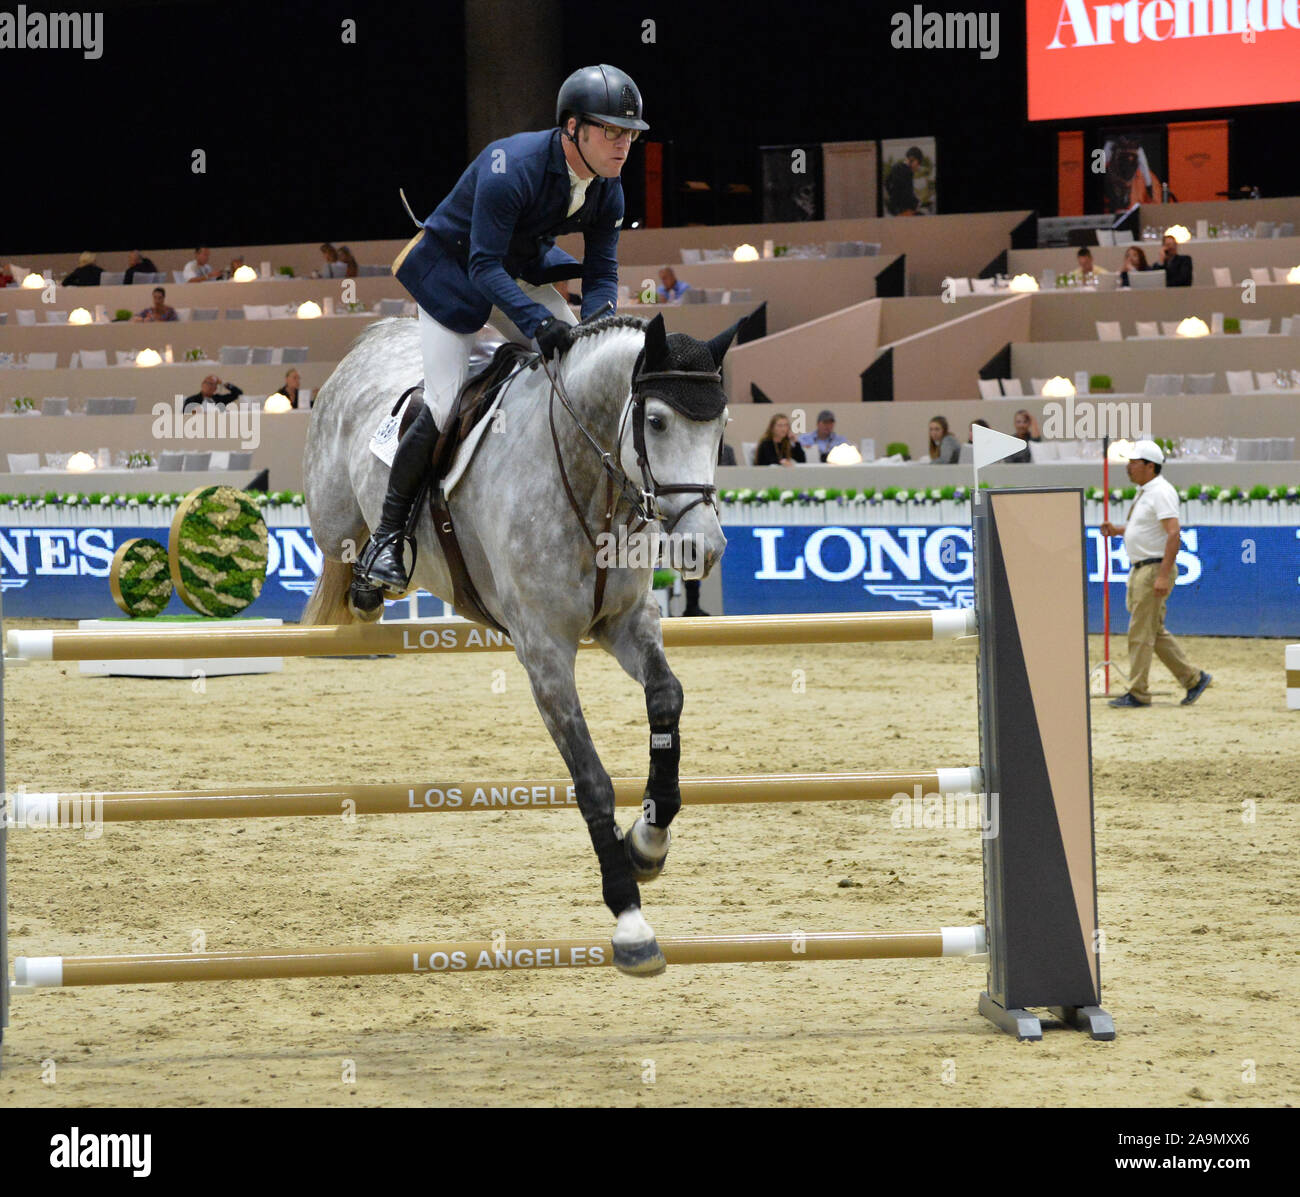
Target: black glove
x,y
552,337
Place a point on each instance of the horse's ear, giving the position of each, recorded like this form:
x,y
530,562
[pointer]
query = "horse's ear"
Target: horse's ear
x,y
722,342
656,344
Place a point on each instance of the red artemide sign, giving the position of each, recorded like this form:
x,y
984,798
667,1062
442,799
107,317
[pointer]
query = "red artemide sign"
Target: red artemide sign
x,y
1087,58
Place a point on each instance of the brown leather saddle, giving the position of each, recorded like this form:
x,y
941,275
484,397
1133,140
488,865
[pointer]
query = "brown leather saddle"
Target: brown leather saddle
x,y
472,404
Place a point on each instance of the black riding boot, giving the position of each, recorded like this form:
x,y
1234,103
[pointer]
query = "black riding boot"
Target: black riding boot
x,y
381,563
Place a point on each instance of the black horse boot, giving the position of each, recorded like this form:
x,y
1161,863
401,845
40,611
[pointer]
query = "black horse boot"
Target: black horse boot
x,y
381,563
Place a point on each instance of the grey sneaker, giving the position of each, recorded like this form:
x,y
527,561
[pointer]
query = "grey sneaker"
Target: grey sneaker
x,y
1197,690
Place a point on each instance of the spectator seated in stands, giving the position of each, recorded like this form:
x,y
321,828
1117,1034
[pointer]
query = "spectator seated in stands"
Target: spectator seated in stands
x,y
778,447
197,269
900,190
345,256
1026,428
235,264
161,310
292,380
6,277
970,439
136,261
1083,273
1134,259
87,274
726,454
331,256
1177,267
671,288
825,438
208,393
944,449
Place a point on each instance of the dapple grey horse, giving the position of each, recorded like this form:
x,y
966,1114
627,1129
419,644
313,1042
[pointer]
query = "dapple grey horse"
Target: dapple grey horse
x,y
531,562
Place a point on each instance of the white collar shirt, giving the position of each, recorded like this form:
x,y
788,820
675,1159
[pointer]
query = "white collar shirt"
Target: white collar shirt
x,y
1144,535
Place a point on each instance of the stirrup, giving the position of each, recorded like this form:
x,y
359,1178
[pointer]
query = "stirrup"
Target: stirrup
x,y
370,554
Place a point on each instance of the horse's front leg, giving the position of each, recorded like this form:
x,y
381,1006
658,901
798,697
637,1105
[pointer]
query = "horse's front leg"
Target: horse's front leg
x,y
549,663
636,640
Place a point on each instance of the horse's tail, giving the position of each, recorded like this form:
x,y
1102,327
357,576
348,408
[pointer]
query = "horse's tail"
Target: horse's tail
x,y
329,601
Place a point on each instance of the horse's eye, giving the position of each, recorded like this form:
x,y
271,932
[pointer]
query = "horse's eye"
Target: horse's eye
x,y
656,422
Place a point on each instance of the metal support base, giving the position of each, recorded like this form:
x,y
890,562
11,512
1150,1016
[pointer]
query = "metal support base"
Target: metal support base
x,y
1027,1028
1092,1019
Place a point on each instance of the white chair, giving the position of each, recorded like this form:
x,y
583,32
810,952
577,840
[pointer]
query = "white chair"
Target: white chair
x,y
56,317
260,355
1199,384
867,447
1266,380
1286,325
1263,229
94,359
1285,229
54,407
24,463
204,314
690,257
183,313
125,357
391,307
957,286
240,461
1155,385
1173,384
1216,322
1067,450
1283,448
219,460
304,398
1012,388
1040,451
195,462
338,270
112,278
170,462
1109,330
1240,382
1038,385
1148,328
1105,236
99,406
1222,276
235,355
989,388
124,405
42,361
257,311
966,456
1123,236
1256,328
1280,273
983,286
1262,274
26,317
293,353
283,311
178,277
1169,328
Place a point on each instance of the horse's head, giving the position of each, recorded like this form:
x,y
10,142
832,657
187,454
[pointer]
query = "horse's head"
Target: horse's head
x,y
671,436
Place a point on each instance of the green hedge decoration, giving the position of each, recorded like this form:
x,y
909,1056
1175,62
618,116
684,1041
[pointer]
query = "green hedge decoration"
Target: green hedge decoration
x,y
217,551
139,579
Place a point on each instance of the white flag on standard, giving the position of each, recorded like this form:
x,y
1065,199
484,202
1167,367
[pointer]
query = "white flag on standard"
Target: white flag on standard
x,y
991,445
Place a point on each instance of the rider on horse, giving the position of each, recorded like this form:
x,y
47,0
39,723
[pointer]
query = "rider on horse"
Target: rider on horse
x,y
489,249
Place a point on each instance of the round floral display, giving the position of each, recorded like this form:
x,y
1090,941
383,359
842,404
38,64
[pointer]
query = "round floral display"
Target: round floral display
x,y
217,550
139,579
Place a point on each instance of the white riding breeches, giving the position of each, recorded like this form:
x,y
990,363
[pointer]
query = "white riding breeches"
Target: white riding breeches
x,y
446,353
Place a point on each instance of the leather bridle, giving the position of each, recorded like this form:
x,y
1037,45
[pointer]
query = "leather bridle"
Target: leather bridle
x,y
644,499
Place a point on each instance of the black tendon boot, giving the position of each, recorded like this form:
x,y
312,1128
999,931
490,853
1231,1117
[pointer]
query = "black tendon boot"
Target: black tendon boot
x,y
381,563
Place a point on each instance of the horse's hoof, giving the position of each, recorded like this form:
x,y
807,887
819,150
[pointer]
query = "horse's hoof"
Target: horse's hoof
x,y
644,868
365,602
640,960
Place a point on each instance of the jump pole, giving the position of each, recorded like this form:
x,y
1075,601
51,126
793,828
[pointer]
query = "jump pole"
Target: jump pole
x,y
483,956
447,636
70,810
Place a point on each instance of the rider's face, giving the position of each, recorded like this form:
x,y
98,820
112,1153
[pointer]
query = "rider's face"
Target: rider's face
x,y
606,157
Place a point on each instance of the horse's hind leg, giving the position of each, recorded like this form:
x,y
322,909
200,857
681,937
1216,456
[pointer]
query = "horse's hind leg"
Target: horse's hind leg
x,y
549,663
635,640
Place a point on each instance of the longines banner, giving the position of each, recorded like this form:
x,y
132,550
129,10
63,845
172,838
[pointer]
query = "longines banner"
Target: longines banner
x,y
1232,580
1087,58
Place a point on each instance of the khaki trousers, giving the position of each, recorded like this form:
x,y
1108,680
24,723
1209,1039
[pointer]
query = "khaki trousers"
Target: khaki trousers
x,y
1146,633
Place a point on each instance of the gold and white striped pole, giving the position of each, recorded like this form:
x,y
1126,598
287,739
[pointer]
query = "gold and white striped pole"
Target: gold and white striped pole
x,y
484,956
141,642
82,809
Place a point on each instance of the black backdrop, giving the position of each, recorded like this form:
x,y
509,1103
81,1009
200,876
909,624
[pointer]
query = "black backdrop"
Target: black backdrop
x,y
309,139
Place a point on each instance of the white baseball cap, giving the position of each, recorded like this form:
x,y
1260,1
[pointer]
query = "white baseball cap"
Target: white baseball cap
x,y
1146,451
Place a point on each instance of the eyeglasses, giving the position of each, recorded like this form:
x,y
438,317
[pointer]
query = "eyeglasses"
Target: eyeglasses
x,y
613,132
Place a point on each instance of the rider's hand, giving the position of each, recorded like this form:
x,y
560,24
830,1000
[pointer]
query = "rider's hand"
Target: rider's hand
x,y
552,337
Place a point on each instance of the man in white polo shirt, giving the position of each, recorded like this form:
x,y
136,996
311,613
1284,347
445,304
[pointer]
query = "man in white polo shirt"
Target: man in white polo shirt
x,y
1151,539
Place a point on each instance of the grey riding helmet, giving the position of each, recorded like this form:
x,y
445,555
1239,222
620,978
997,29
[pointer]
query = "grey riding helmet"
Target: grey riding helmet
x,y
603,93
